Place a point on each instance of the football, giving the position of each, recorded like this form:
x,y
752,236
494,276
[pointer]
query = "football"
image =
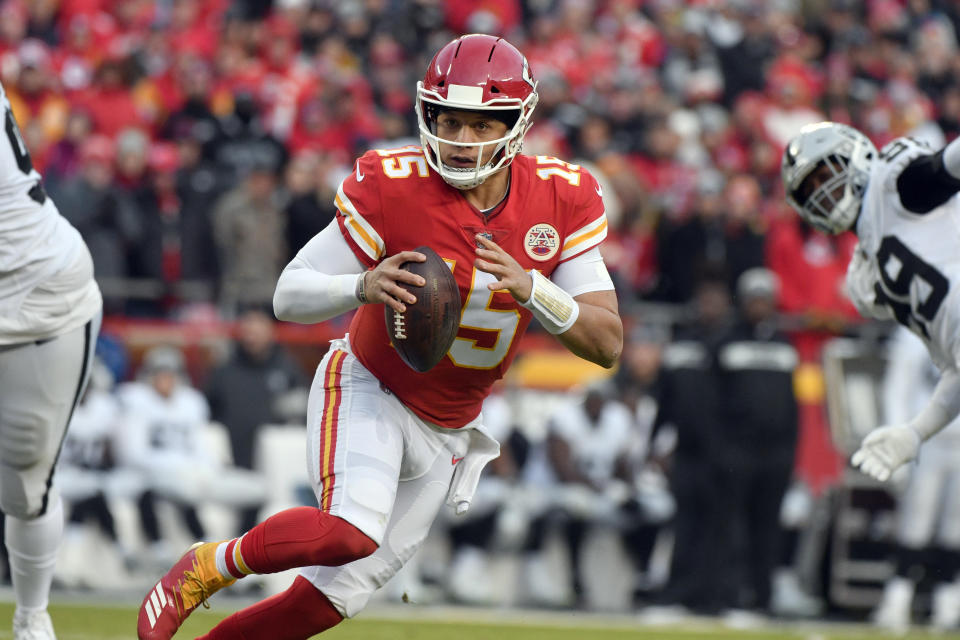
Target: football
x,y
424,332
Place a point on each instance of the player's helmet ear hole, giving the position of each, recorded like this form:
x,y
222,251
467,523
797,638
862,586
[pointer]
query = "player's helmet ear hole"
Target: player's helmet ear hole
x,y
494,90
441,83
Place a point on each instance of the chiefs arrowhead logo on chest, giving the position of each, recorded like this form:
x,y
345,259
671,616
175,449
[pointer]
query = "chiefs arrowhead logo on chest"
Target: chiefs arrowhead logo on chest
x,y
541,242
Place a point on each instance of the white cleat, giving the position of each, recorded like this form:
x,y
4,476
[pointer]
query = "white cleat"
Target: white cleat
x,y
893,614
35,625
946,607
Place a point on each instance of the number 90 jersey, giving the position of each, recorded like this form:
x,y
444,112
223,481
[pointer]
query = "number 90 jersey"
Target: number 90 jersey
x,y
907,265
393,202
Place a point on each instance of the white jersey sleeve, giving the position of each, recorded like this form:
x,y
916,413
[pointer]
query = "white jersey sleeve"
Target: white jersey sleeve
x,y
583,273
907,264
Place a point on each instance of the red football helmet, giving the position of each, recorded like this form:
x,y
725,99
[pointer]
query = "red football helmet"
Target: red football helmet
x,y
476,72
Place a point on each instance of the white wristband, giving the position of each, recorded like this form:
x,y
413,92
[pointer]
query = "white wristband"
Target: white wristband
x,y
556,309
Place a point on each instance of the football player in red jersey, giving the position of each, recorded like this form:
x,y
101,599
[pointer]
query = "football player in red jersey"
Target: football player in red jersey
x,y
387,446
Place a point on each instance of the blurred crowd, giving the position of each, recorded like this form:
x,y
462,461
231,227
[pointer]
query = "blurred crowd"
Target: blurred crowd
x,y
196,145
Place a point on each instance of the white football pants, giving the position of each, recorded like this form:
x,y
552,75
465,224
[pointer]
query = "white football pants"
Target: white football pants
x,y
40,383
378,466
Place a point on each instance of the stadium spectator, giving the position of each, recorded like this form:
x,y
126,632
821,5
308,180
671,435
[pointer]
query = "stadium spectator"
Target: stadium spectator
x,y
258,385
744,227
100,210
756,441
199,183
583,474
246,144
688,405
90,477
637,384
691,246
63,159
35,97
110,101
134,176
164,419
310,208
248,228
164,440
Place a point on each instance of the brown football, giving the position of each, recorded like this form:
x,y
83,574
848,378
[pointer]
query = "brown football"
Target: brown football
x,y
424,332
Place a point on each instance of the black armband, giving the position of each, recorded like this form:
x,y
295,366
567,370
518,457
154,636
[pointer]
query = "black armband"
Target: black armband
x,y
925,184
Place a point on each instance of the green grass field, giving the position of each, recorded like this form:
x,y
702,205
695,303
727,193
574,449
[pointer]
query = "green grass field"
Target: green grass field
x,y
88,622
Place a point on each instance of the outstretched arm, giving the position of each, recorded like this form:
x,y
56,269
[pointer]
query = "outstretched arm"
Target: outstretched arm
x,y
885,449
587,324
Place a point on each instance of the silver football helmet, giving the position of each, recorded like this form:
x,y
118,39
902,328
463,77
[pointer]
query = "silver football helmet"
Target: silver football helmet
x,y
842,157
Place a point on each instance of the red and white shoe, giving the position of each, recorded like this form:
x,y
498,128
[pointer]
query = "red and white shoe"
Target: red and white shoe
x,y
192,580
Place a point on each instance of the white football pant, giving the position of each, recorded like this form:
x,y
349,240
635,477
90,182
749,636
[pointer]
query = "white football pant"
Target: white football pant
x,y
378,466
40,384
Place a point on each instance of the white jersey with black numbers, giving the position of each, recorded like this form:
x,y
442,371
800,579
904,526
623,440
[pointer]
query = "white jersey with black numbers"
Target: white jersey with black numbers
x,y
595,447
46,273
162,432
907,265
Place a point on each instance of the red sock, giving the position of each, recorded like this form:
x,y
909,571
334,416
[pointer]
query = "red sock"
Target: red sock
x,y
296,614
303,537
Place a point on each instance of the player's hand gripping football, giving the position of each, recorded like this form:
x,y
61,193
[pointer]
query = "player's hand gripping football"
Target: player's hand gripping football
x,y
510,275
885,449
380,283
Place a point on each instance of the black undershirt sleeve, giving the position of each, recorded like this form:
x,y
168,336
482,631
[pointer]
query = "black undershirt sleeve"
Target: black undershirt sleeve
x,y
925,184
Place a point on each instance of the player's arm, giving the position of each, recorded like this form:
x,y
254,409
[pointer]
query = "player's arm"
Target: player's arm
x,y
884,450
597,334
584,318
930,180
326,279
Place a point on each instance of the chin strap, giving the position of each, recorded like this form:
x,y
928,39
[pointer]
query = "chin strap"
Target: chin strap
x,y
556,309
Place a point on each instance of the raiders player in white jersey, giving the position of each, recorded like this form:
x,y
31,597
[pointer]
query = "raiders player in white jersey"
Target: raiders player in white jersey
x,y
901,203
928,508
50,311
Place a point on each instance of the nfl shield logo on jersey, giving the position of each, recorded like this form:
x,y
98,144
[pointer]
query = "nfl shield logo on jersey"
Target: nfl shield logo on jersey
x,y
541,242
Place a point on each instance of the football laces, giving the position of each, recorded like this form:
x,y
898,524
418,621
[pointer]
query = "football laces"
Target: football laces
x,y
399,326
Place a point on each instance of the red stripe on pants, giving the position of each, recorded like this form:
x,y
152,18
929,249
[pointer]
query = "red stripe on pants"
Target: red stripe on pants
x,y
333,394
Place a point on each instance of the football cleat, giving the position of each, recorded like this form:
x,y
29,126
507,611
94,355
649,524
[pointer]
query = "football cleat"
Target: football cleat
x,y
35,625
192,580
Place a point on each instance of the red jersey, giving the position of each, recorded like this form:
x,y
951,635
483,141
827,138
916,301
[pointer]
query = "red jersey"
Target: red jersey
x,y
393,202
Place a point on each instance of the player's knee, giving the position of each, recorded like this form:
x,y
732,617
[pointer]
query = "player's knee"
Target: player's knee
x,y
15,501
348,543
22,439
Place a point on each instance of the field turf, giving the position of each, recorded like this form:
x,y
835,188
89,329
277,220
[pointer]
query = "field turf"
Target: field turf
x,y
98,622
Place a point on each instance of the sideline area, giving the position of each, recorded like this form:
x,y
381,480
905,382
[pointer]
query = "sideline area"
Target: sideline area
x,y
104,616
